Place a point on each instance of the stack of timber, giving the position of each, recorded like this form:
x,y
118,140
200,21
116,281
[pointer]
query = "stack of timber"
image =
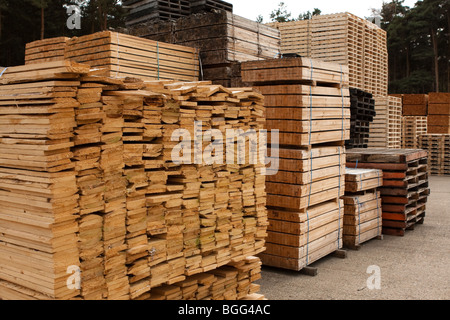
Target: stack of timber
x,y
412,128
39,194
120,55
345,39
141,11
362,211
362,110
438,147
232,282
91,185
308,102
386,129
439,113
415,105
405,188
46,50
223,40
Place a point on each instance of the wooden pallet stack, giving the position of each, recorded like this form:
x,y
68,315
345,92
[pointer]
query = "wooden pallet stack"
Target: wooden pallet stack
x,y
415,105
120,55
405,187
439,113
223,40
95,156
438,148
412,128
141,11
386,129
362,206
345,39
308,102
295,35
362,110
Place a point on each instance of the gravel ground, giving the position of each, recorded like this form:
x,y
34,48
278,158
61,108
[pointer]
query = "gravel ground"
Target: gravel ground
x,y
413,267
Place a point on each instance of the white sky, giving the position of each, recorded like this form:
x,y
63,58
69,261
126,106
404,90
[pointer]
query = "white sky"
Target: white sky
x,y
250,9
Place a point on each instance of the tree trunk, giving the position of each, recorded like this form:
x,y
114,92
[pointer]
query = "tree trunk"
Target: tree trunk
x,y
408,63
0,23
42,23
436,56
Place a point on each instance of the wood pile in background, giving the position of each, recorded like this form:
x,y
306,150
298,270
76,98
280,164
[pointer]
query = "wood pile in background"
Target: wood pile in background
x,y
438,147
120,55
142,11
345,39
386,129
415,104
405,187
99,191
412,128
362,110
222,39
362,206
308,102
439,113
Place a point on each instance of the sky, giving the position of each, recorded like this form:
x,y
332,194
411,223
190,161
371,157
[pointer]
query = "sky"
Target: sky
x,y
250,9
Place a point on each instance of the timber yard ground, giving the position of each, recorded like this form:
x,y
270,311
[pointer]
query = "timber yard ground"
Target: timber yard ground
x,y
413,267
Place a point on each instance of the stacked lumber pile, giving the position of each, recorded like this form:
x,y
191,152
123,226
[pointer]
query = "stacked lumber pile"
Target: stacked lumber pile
x,y
415,104
386,129
405,187
39,194
345,39
100,190
223,40
362,110
308,102
362,206
412,128
232,282
46,50
438,148
142,11
439,113
295,37
119,55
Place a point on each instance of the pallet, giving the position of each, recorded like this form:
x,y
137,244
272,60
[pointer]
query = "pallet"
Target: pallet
x,y
362,110
415,105
438,147
386,129
405,187
345,39
412,128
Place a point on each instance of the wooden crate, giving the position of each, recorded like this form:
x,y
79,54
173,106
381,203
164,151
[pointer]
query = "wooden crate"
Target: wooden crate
x,y
439,113
405,187
362,206
415,105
